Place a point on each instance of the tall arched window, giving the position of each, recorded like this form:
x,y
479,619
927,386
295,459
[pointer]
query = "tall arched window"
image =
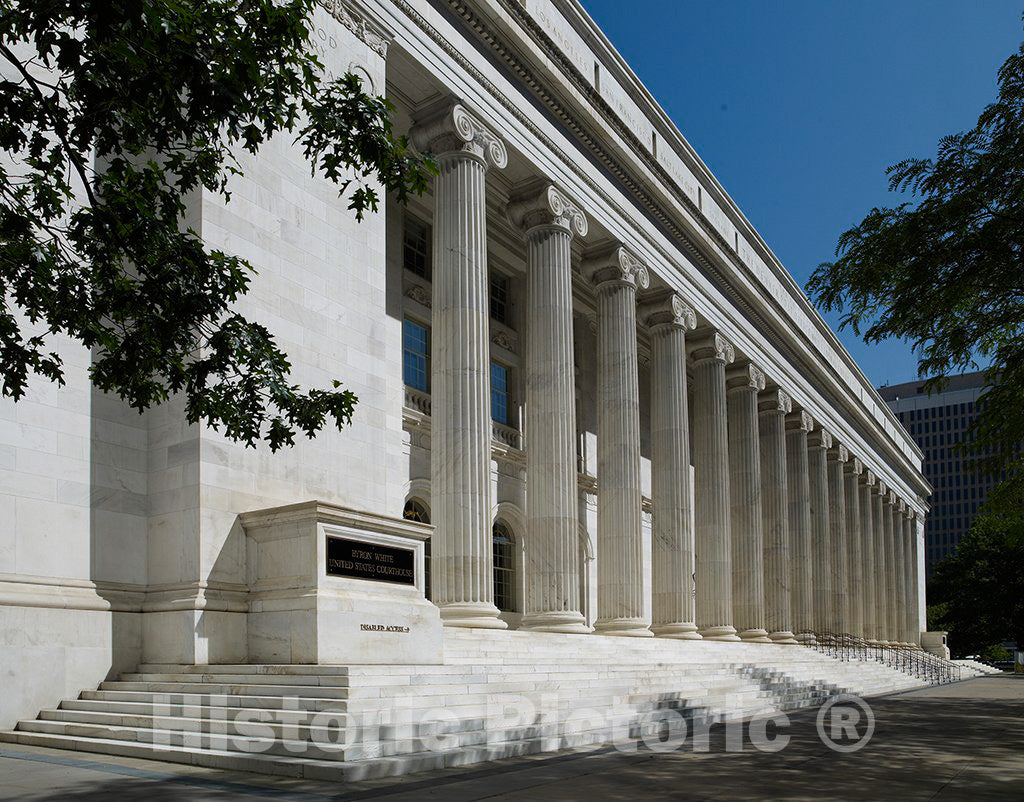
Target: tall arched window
x,y
504,566
416,510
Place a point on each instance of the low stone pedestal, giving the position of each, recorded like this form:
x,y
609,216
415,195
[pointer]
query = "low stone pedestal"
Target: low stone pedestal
x,y
935,643
333,585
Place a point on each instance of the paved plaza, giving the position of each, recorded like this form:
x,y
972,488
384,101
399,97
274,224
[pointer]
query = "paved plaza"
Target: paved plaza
x,y
952,742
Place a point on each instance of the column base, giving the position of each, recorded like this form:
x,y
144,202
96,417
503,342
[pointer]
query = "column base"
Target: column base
x,y
566,622
676,631
784,637
754,636
806,638
623,627
476,615
720,633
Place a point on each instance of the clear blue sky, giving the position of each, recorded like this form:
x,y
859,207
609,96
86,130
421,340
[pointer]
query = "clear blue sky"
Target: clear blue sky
x,y
798,106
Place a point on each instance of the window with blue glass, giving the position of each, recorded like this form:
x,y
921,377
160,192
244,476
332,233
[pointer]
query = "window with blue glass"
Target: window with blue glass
x,y
416,355
499,393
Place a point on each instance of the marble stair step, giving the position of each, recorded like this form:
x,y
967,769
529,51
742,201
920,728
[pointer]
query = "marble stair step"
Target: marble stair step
x,y
292,766
225,700
300,767
205,740
326,680
299,729
229,689
518,740
211,712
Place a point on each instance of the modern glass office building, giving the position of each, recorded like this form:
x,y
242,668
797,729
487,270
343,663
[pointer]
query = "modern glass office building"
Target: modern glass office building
x,y
938,423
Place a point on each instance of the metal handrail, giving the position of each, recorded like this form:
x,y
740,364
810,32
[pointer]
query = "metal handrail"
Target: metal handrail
x,y
917,663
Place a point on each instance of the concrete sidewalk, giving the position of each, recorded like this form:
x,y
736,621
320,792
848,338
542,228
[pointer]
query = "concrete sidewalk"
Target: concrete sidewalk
x,y
956,742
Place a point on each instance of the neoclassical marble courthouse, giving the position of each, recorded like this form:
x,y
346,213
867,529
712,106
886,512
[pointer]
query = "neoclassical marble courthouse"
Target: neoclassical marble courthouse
x,y
591,402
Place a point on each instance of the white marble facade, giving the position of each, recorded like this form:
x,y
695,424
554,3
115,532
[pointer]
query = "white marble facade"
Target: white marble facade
x,y
655,392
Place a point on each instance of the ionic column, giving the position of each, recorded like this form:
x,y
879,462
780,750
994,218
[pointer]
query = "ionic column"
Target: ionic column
x,y
672,548
798,425
550,220
818,444
895,625
913,623
621,588
710,353
837,459
867,542
743,383
460,454
854,558
773,406
881,565
903,576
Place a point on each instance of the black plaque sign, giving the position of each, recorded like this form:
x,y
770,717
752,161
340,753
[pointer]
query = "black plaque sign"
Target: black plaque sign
x,y
360,560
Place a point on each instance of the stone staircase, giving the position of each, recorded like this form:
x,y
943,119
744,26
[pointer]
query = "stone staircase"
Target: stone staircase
x,y
975,669
498,694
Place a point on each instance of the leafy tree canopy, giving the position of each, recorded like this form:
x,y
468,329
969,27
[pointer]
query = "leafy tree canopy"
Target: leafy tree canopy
x,y
978,592
946,271
111,113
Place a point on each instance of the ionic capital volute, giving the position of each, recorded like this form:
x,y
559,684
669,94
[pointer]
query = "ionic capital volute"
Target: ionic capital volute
x,y
667,309
449,128
820,438
614,264
774,401
800,420
706,343
541,203
838,453
744,375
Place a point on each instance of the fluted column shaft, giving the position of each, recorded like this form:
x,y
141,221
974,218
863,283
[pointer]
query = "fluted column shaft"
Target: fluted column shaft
x,y
913,623
621,584
867,527
798,485
905,580
672,548
818,444
743,383
552,574
837,459
460,453
773,407
893,584
854,558
710,354
881,566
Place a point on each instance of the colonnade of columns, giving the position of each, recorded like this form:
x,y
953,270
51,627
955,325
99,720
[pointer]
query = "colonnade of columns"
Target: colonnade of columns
x,y
793,539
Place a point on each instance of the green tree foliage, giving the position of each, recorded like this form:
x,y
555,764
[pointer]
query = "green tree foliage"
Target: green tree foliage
x,y
111,113
978,592
946,271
